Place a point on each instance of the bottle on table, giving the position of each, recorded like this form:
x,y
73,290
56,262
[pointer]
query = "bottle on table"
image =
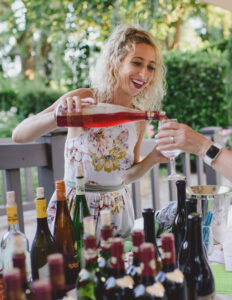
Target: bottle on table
x,y
19,261
197,272
134,270
13,228
118,285
2,289
64,235
149,234
87,281
103,115
148,288
81,210
179,223
43,243
191,207
105,242
13,285
41,290
56,275
170,276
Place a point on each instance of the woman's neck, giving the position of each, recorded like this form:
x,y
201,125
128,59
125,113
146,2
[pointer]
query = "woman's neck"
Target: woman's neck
x,y
120,98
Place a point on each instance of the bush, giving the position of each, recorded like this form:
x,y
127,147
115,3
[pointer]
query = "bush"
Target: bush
x,y
196,89
8,121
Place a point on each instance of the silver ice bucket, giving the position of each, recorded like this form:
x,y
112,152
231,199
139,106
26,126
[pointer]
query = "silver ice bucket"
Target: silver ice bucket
x,y
214,204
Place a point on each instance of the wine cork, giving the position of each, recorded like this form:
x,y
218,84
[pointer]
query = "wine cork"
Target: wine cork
x,y
10,198
41,286
89,228
105,217
79,171
40,192
12,279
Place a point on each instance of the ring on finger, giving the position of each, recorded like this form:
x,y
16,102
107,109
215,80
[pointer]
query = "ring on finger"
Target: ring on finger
x,y
172,139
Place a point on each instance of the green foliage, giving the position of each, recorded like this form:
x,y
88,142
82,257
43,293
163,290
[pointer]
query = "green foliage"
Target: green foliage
x,y
8,121
229,77
196,89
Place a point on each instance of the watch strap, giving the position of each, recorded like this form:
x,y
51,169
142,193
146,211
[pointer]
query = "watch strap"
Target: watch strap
x,y
208,160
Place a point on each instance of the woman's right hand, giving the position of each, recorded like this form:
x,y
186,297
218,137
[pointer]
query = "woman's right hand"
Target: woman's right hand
x,y
74,104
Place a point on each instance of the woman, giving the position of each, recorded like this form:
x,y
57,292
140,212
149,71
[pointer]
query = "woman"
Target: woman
x,y
180,136
130,73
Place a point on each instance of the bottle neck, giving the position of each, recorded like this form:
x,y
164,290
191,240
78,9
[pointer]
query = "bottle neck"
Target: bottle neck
x,y
194,237
136,261
13,228
90,253
42,225
181,195
147,280
168,267
106,239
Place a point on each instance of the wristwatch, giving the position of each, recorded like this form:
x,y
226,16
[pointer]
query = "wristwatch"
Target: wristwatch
x,y
211,153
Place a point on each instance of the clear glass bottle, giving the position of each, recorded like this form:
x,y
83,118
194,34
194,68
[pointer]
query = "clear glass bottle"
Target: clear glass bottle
x,y
149,234
13,228
197,272
43,243
148,288
103,115
64,235
81,211
170,276
13,285
179,223
87,280
135,270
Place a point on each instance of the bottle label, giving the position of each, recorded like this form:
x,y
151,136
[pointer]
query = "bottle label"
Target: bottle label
x,y
44,272
41,208
12,215
208,297
80,186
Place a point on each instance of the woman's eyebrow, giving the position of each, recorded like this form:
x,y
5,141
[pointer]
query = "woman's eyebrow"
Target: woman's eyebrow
x,y
138,57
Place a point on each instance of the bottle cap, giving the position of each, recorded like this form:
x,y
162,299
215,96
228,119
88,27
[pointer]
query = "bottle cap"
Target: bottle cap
x,y
105,217
18,244
89,228
168,247
117,254
12,279
147,258
55,259
41,287
191,205
137,239
60,185
40,192
79,171
10,198
194,217
60,190
56,270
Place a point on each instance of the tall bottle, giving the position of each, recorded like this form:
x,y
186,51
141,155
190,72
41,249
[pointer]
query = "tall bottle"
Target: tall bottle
x,y
191,207
57,276
105,243
199,277
13,286
41,290
81,210
148,288
43,243
135,270
87,280
19,261
149,233
104,115
118,285
13,228
170,276
64,235
178,226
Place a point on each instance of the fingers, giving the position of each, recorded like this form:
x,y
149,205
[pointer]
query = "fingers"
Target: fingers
x,y
74,104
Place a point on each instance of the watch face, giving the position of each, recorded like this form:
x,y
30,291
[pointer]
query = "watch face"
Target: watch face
x,y
212,151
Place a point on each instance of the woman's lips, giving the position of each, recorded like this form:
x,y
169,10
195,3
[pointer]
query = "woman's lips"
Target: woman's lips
x,y
137,83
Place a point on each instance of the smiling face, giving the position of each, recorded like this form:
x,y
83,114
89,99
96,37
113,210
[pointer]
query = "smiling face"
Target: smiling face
x,y
136,71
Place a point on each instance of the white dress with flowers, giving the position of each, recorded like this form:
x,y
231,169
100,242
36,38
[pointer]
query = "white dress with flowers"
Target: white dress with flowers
x,y
105,154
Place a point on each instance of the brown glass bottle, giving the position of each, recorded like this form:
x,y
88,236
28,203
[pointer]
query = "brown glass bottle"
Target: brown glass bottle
x,y
149,234
148,288
56,274
64,235
19,261
41,290
170,276
13,284
135,270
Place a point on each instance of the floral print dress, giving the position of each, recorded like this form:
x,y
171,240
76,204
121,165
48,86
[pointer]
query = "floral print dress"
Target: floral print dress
x,y
105,154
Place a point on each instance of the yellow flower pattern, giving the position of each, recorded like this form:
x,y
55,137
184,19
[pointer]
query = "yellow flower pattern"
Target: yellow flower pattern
x,y
111,161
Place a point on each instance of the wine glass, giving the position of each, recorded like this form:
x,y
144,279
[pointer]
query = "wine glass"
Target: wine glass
x,y
171,154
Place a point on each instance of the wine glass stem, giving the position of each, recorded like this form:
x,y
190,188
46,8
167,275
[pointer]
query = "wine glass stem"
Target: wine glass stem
x,y
173,165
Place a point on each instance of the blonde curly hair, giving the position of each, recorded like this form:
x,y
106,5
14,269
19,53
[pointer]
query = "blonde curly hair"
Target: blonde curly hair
x,y
105,78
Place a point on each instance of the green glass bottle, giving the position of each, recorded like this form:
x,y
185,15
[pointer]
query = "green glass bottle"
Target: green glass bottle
x,y
81,210
87,280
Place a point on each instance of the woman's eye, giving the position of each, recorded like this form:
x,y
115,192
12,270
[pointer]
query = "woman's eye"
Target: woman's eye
x,y
136,63
151,68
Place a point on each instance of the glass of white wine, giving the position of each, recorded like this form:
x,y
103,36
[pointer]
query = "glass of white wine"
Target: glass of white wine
x,y
171,154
